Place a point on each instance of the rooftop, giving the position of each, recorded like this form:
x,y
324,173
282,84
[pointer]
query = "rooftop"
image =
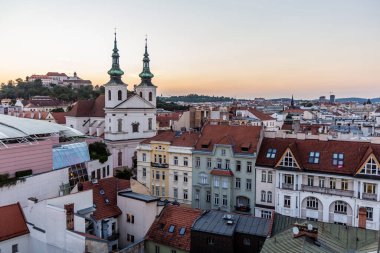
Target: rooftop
x,y
138,196
12,222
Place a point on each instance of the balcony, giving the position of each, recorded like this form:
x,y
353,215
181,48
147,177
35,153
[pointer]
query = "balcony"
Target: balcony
x,y
339,192
287,186
369,196
244,209
159,165
309,188
113,237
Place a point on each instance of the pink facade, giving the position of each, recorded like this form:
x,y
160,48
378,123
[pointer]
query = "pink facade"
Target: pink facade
x,y
36,156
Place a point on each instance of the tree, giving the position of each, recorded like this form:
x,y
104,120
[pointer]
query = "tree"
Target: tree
x,y
123,174
60,109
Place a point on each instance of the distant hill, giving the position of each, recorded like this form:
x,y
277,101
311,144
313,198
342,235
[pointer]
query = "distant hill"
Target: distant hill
x,y
357,100
194,98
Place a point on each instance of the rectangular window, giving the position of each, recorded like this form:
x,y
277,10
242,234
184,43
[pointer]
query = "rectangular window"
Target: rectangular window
x,y
197,162
249,166
263,196
369,188
185,194
288,178
223,152
14,248
249,184
332,183
144,157
227,164
132,219
219,163
314,157
266,214
175,160
185,177
157,191
208,196
263,176
271,153
144,172
150,124
269,197
104,172
185,161
157,175
216,181
153,174
175,193
175,176
344,184
174,251
224,200
310,180
163,175
369,213
216,199
224,183
209,164
163,191
93,175
238,165
287,201
108,173
197,195
321,182
270,176
338,159
157,249
132,238
237,182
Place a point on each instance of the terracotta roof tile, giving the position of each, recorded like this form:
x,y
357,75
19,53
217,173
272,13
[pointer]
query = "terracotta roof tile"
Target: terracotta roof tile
x,y
260,115
221,172
180,217
110,186
12,222
59,117
88,108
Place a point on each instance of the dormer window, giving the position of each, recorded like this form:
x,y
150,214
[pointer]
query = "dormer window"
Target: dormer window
x,y
314,157
370,167
205,143
288,161
338,159
245,147
271,153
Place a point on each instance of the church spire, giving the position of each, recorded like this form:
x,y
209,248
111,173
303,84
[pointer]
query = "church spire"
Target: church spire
x,y
292,103
146,76
115,72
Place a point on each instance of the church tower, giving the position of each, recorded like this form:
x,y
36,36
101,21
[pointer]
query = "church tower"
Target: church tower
x,y
115,89
146,89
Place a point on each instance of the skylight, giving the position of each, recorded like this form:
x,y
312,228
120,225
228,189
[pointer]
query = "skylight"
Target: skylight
x,y
182,231
171,228
271,153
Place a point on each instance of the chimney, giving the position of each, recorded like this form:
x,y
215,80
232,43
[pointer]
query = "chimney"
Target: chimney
x,y
362,217
69,216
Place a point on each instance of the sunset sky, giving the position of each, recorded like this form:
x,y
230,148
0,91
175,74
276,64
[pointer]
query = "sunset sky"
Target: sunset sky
x,y
238,48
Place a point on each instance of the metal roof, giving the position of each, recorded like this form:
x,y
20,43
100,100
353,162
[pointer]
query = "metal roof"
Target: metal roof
x,y
70,154
14,127
213,222
253,225
138,196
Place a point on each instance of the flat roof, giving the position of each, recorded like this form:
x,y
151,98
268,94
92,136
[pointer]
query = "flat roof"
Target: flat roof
x,y
138,196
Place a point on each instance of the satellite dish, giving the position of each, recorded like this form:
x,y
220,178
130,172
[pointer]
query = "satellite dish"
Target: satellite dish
x,y
295,231
309,227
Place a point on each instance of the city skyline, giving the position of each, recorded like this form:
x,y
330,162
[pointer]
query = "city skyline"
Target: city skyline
x,y
257,48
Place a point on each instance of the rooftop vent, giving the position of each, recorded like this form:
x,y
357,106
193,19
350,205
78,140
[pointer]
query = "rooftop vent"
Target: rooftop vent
x,y
94,180
101,192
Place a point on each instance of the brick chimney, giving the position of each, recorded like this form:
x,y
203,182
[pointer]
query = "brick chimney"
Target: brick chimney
x,y
362,217
69,216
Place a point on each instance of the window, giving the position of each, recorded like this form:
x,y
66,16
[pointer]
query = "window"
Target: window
x,y
104,172
144,172
338,159
263,196
249,184
216,199
216,181
312,203
369,213
197,195
271,153
224,183
370,168
286,201
369,188
108,170
157,249
270,176
135,127
150,96
223,152
119,125
150,124
163,191
314,157
310,180
266,214
175,176
14,248
224,201
185,177
209,163
269,197
263,176
237,182
203,179
219,163
247,242
227,164
128,237
340,207
197,162
288,179
157,175
208,196
132,238
249,166
238,165
210,241
109,95
288,161
93,175
163,175
332,183
185,194
174,251
185,161
175,193
344,184
175,160
321,182
119,158
171,228
119,97
132,219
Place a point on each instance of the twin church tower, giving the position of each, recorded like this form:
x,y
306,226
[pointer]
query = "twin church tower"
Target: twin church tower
x,y
130,115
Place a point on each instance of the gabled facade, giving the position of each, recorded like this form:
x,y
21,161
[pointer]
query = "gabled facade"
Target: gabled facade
x,y
224,168
321,180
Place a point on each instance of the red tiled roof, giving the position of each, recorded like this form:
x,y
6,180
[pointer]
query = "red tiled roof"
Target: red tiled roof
x,y
221,172
179,216
59,117
299,111
55,74
237,136
12,222
355,153
186,139
164,119
89,108
260,115
110,186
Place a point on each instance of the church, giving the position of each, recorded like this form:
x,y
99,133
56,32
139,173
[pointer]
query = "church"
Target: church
x,y
130,116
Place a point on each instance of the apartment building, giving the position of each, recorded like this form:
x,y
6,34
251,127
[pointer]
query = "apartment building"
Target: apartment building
x,y
164,165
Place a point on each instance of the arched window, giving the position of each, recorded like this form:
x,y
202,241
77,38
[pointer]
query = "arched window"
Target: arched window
x,y
135,127
269,197
150,96
311,203
140,93
119,95
340,207
119,125
109,95
263,195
